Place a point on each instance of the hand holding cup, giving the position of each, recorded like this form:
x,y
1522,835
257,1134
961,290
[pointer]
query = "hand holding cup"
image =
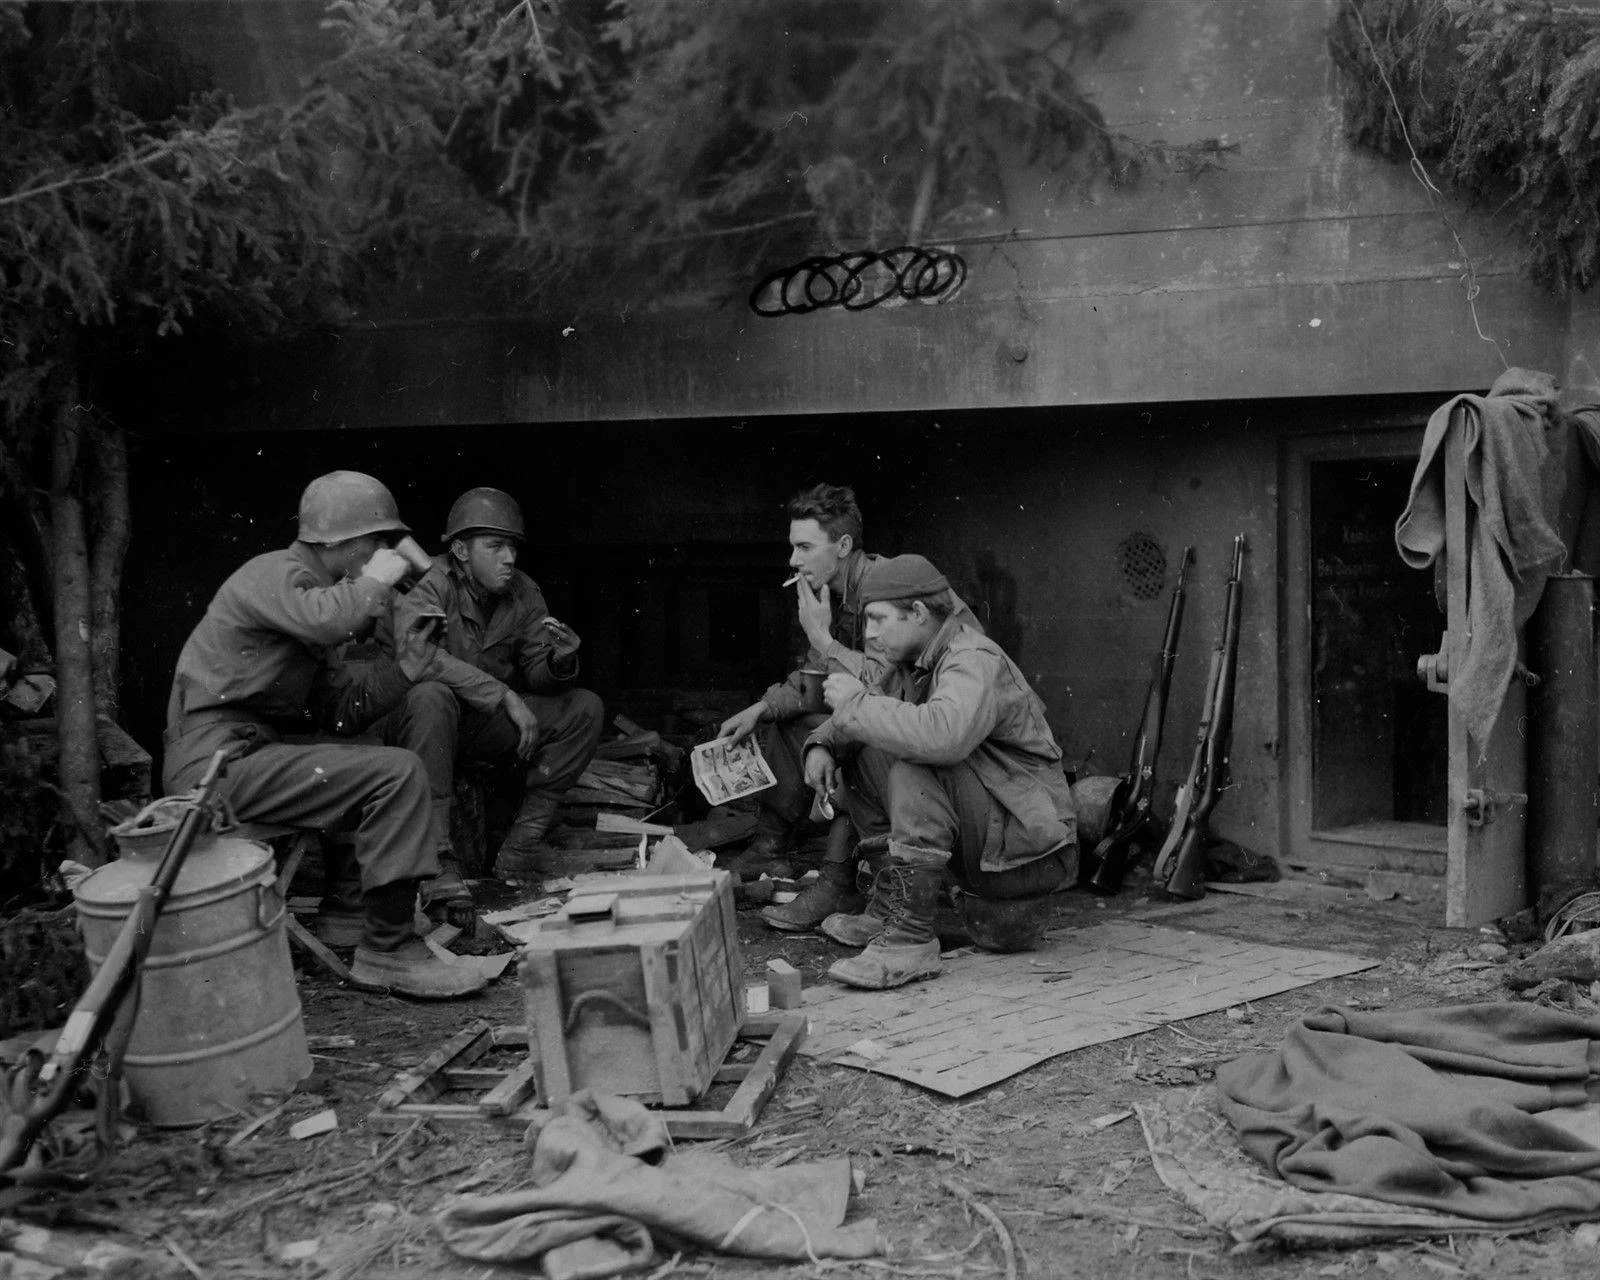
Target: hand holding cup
x,y
839,688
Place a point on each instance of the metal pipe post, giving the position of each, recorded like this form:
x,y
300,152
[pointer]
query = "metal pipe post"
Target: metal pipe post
x,y
1563,747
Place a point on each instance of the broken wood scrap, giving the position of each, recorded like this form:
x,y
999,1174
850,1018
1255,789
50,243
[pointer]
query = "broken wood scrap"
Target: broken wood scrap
x,y
672,755
293,1188
590,791
621,823
640,779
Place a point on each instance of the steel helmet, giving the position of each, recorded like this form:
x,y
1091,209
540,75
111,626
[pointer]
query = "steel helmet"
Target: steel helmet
x,y
484,511
347,504
1099,802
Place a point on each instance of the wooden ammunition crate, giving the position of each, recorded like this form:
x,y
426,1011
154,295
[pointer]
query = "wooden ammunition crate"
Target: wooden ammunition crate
x,y
635,987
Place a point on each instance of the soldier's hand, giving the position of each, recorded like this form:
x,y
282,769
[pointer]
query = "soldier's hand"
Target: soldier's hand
x,y
527,725
387,566
816,613
418,646
564,640
737,728
822,771
839,688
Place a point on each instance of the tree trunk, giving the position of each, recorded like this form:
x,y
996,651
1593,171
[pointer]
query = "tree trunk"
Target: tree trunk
x,y
108,489
78,770
21,620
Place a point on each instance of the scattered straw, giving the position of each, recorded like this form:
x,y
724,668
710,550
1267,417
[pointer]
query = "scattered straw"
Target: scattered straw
x,y
989,1216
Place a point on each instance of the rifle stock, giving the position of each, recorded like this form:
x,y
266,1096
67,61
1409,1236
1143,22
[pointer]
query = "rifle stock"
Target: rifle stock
x,y
1194,779
1181,868
1130,813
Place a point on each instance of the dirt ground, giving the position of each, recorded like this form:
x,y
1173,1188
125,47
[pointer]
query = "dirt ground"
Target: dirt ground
x,y
1075,1199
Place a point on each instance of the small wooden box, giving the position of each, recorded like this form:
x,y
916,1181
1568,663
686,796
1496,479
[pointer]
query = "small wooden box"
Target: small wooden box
x,y
636,987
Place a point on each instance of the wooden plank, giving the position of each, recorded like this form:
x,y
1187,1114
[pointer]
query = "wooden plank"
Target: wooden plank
x,y
403,1117
421,1077
542,998
452,1078
512,1091
622,823
668,1033
1485,870
757,1082
752,1095
733,956
314,946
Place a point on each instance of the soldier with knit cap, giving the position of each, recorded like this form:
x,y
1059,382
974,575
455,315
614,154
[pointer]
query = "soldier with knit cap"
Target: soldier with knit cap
x,y
825,531
947,759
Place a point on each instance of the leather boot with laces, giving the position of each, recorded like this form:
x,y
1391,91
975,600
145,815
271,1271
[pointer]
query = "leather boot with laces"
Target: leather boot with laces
x,y
833,893
906,948
861,928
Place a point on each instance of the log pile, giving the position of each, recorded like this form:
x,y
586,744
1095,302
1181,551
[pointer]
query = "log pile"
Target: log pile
x,y
613,784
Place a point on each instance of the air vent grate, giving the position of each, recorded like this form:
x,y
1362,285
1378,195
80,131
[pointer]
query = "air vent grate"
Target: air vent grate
x,y
1143,564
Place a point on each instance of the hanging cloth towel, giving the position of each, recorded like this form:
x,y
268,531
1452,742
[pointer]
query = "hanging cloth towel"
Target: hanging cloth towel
x,y
1512,544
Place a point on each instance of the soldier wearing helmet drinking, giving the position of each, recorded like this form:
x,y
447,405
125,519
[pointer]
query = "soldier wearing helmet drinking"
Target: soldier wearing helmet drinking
x,y
260,667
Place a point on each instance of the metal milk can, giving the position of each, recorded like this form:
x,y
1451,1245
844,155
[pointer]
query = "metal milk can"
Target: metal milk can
x,y
218,1015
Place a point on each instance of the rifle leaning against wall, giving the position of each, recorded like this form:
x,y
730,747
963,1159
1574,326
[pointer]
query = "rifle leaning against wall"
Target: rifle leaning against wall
x,y
1180,866
1130,803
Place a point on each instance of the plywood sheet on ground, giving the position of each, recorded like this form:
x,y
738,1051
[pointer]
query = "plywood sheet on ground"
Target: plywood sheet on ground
x,y
987,1017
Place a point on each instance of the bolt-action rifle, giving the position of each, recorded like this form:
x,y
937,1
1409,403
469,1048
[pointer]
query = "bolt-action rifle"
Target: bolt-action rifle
x,y
1180,866
1130,816
93,1038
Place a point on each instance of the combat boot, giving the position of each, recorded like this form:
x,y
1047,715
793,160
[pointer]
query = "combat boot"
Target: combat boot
x,y
392,955
412,970
766,854
833,893
341,919
521,859
859,929
907,947
446,898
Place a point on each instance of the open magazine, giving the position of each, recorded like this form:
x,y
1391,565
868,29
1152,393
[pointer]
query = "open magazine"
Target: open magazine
x,y
727,771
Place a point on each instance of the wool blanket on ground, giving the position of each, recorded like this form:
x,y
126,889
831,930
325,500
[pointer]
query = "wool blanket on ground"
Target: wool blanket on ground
x,y
604,1178
1434,1108
1512,544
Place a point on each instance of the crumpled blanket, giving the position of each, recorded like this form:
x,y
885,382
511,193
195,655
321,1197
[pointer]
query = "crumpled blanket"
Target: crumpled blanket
x,y
1513,545
1434,1108
602,1170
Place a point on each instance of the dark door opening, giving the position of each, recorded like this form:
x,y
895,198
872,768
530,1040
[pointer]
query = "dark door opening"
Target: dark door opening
x,y
1379,738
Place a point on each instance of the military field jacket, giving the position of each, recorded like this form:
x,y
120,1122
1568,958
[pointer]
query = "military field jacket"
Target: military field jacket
x,y
964,701
263,650
484,655
847,643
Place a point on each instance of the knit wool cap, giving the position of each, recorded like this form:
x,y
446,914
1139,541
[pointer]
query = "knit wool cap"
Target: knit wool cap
x,y
901,578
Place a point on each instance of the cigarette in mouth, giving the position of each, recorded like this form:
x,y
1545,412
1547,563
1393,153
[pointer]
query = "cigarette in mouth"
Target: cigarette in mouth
x,y
791,580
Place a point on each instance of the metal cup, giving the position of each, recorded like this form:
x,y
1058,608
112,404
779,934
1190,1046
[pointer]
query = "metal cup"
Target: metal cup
x,y
419,560
811,702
